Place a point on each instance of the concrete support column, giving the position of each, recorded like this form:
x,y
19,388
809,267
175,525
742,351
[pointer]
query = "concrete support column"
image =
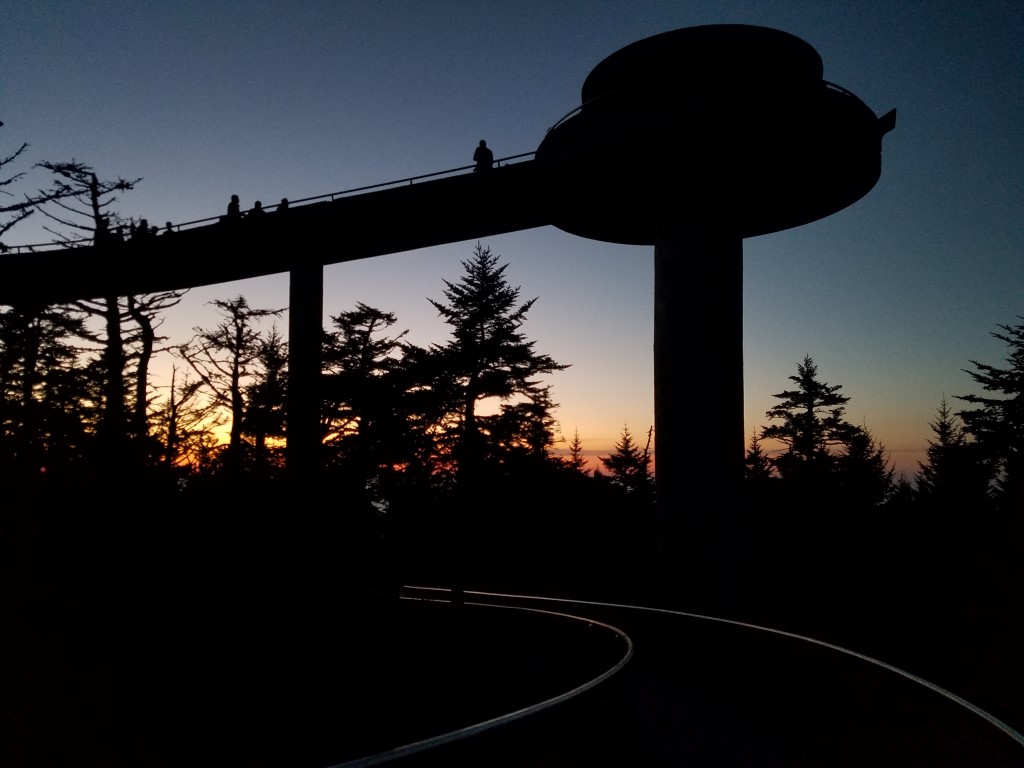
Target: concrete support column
x,y
305,330
698,411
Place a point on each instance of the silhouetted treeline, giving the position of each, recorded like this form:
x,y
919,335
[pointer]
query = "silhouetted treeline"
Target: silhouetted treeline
x,y
442,456
924,573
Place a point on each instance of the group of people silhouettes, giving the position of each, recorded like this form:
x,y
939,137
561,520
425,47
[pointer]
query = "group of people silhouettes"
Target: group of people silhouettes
x,y
135,232
132,232
235,212
482,156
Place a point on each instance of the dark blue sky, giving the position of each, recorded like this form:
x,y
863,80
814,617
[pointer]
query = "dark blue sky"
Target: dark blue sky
x,y
891,297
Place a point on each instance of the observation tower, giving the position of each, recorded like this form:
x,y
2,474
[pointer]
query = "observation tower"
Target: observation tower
x,y
691,141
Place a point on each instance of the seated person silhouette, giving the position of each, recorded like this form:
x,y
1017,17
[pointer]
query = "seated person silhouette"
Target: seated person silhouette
x,y
483,157
283,205
257,211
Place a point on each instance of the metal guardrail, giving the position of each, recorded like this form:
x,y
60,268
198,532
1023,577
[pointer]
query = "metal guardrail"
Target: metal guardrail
x,y
329,197
583,610
915,680
532,709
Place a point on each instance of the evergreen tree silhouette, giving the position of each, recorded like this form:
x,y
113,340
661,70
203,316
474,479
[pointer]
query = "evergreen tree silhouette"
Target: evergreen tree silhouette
x,y
955,475
864,477
81,211
45,419
998,423
827,459
812,424
265,398
488,355
629,465
361,363
757,466
226,359
576,461
369,428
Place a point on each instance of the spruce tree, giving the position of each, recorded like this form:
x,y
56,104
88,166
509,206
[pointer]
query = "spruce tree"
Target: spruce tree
x,y
955,475
362,362
576,461
812,424
629,465
864,477
997,424
757,465
827,459
368,426
488,355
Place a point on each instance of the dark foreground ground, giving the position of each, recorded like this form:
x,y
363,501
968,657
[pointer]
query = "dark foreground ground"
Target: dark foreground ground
x,y
308,696
256,692
188,638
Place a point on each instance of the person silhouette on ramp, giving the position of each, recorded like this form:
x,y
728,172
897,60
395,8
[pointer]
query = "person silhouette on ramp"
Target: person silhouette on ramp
x,y
483,157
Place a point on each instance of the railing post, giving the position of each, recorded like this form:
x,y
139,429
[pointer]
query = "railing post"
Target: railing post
x,y
305,331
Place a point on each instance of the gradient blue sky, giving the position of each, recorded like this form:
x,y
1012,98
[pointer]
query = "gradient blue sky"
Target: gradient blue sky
x,y
891,297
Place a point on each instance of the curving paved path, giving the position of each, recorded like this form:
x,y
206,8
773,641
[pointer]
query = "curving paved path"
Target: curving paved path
x,y
707,692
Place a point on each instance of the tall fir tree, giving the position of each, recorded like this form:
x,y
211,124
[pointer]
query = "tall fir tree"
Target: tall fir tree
x,y
812,424
488,356
826,459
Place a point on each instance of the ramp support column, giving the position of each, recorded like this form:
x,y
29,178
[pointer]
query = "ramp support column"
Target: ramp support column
x,y
305,331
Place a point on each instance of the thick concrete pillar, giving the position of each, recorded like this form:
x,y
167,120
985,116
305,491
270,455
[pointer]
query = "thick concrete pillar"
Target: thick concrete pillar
x,y
305,331
698,410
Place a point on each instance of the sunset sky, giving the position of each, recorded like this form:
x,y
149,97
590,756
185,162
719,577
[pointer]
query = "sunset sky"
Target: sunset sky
x,y
891,297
